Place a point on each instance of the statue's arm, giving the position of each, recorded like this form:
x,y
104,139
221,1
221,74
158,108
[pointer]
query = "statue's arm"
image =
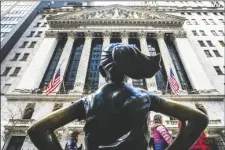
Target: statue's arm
x,y
189,133
42,132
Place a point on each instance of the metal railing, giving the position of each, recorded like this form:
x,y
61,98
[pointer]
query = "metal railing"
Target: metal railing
x,y
174,123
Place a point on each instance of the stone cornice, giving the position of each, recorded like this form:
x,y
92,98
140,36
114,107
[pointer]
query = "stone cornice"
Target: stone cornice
x,y
72,24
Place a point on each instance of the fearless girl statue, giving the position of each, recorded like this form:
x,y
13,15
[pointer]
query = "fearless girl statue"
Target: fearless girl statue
x,y
116,113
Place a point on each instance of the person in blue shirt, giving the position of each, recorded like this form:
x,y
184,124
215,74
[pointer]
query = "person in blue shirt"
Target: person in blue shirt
x,y
72,143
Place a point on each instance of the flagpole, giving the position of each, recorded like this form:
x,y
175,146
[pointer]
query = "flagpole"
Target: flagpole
x,y
64,86
62,79
61,63
167,85
167,80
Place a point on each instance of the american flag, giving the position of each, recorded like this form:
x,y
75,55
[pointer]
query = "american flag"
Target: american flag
x,y
173,83
54,83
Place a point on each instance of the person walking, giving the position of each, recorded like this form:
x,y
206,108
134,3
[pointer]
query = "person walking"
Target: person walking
x,y
72,143
162,138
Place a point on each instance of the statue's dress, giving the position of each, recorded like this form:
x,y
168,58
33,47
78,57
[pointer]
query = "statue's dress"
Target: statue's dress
x,y
116,118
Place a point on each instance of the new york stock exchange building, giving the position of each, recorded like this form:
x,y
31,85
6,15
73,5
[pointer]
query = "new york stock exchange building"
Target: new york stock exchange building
x,y
73,38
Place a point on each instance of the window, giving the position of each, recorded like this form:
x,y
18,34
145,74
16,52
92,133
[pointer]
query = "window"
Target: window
x,y
218,70
208,54
199,13
221,32
212,22
24,44
182,13
31,34
5,73
44,25
15,57
221,20
205,13
215,13
5,88
37,25
194,21
39,34
194,32
57,106
205,21
222,43
217,53
210,43
214,33
202,44
188,22
3,34
16,143
16,71
24,57
189,13
29,110
221,13
32,44
202,33
43,16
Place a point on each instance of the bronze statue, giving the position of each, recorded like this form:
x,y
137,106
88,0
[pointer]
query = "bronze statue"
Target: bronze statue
x,y
116,113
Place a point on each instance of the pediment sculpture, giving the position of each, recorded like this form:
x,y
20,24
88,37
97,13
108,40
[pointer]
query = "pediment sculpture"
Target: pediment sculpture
x,y
115,12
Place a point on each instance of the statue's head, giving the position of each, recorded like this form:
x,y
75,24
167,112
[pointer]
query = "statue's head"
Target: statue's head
x,y
121,60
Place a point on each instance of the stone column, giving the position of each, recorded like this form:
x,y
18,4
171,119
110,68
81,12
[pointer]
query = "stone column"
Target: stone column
x,y
192,66
65,57
151,82
83,64
167,61
124,36
32,78
106,42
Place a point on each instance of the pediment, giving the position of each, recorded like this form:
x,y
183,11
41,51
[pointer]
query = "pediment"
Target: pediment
x,y
115,14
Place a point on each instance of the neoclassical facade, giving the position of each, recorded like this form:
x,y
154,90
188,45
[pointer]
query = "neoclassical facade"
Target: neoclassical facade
x,y
74,40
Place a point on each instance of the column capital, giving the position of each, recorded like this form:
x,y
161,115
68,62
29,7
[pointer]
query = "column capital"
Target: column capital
x,y
124,34
106,34
159,34
52,34
142,34
71,34
179,34
88,34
